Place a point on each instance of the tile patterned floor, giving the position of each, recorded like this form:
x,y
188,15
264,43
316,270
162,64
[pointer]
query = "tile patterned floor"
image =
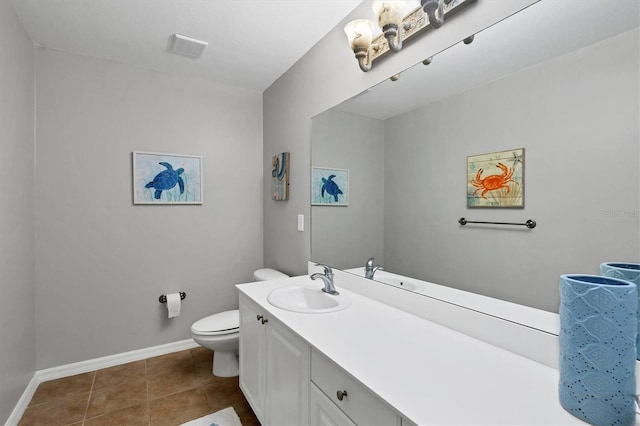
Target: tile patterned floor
x,y
165,390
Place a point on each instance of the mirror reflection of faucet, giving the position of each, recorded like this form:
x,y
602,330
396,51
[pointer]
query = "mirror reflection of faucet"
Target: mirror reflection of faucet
x,y
370,269
327,278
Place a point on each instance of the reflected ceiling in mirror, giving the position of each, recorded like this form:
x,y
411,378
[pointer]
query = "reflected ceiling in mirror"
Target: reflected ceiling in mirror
x,y
559,79
545,30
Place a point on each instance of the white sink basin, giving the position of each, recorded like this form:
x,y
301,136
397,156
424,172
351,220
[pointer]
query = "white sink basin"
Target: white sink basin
x,y
390,278
400,281
307,300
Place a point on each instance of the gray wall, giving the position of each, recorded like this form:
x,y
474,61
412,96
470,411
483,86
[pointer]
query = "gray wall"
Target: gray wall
x,y
17,316
340,235
102,262
577,118
327,75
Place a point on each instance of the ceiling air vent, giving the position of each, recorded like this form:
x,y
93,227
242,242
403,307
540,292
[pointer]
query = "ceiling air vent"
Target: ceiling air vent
x,y
186,46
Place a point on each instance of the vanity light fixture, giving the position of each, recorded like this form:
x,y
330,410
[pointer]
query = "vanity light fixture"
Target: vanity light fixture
x,y
395,28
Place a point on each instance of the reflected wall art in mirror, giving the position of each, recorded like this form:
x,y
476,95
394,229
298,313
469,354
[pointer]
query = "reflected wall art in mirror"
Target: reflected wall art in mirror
x,y
556,79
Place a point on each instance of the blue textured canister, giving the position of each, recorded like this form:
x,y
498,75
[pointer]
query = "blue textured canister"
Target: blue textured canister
x,y
621,270
628,272
598,327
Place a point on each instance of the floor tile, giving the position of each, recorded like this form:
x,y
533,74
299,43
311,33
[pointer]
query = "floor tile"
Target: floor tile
x,y
165,390
63,411
132,416
173,381
53,390
203,370
179,408
117,397
201,354
170,362
223,393
120,374
244,411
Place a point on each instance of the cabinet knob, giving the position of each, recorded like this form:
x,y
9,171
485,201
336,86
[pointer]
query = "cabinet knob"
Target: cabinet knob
x,y
341,395
259,317
263,320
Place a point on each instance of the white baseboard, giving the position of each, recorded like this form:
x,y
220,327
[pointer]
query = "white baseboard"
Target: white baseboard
x,y
111,360
90,365
23,402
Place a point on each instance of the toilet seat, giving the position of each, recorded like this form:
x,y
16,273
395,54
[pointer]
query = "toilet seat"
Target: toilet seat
x,y
223,323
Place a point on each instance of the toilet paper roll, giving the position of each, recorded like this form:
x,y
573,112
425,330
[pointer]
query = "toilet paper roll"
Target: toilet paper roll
x,y
173,304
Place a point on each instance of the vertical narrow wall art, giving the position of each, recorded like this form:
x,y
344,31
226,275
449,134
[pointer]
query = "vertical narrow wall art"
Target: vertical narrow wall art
x,y
280,177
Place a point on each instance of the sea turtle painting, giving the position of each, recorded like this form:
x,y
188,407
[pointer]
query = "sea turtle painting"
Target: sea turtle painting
x,y
166,180
330,187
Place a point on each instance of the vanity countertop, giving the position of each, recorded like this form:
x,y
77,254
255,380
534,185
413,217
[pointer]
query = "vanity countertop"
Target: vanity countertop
x,y
428,373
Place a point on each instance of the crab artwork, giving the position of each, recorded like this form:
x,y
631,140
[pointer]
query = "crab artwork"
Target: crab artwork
x,y
330,187
493,182
166,180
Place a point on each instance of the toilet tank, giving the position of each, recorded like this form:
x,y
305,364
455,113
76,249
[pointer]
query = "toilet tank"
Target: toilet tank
x,y
267,274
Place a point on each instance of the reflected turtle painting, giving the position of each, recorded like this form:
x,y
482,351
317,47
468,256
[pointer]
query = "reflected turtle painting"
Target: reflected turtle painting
x,y
329,186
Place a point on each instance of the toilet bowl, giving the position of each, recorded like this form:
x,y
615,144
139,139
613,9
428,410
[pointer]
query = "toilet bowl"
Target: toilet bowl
x,y
220,332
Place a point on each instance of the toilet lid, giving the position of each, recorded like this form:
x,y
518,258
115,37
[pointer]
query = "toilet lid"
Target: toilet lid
x,y
223,323
267,274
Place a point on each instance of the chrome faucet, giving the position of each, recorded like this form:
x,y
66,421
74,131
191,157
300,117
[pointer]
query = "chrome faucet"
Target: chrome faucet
x,y
327,278
370,269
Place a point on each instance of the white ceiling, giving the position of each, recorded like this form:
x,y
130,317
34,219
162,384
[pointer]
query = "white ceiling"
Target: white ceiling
x,y
543,31
251,42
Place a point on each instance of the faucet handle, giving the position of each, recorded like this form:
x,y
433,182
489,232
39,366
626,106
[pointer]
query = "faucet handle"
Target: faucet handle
x,y
327,268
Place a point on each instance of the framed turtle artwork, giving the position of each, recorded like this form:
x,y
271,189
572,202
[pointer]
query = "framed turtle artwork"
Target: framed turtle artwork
x,y
496,179
329,186
166,178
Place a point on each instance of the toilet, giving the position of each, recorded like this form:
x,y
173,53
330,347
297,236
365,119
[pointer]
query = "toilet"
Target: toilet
x,y
220,332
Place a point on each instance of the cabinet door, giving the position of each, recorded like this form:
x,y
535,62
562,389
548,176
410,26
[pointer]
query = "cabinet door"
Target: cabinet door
x,y
323,412
288,377
252,356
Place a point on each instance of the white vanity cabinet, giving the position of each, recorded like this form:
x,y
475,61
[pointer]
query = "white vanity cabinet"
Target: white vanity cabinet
x,y
347,401
274,368
288,383
331,369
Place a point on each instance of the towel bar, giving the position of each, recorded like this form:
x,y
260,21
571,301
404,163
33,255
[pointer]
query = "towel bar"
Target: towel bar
x,y
529,223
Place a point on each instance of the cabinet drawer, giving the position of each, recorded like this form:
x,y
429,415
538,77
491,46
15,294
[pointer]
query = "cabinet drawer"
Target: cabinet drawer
x,y
360,405
324,412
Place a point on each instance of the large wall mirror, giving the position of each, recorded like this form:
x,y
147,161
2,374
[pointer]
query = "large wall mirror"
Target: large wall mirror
x,y
559,79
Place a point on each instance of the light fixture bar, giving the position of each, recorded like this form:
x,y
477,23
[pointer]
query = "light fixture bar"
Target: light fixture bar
x,y
414,23
395,31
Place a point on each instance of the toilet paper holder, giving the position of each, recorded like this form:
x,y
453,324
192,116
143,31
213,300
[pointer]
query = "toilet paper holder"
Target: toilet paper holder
x,y
163,297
